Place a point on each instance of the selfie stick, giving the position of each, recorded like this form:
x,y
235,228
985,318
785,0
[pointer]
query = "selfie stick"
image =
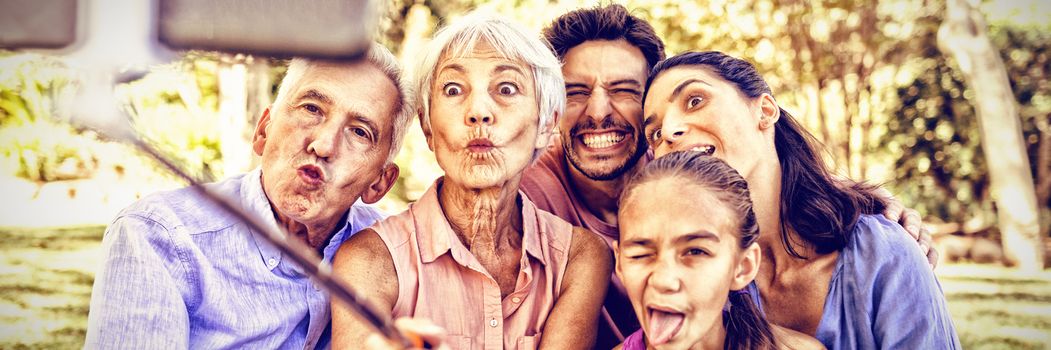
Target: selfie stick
x,y
120,37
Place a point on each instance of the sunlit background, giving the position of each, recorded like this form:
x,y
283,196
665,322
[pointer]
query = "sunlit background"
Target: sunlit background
x,y
867,78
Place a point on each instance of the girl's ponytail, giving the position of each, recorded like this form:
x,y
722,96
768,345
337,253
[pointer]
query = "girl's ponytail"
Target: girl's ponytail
x,y
745,326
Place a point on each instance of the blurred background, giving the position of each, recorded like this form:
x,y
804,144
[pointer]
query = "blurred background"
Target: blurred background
x,y
874,81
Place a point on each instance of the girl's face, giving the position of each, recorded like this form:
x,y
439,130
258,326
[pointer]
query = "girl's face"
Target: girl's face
x,y
679,256
690,107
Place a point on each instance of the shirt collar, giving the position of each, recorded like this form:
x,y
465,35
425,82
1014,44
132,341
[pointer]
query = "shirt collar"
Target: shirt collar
x,y
436,236
254,199
255,202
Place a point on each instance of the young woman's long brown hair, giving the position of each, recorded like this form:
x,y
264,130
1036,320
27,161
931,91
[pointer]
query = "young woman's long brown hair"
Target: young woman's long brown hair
x,y
814,205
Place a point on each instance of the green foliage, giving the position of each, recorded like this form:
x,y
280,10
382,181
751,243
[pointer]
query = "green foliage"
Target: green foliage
x,y
174,108
34,142
943,169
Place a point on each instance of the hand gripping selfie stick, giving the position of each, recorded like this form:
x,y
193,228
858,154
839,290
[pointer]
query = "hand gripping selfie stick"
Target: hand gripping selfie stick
x,y
123,35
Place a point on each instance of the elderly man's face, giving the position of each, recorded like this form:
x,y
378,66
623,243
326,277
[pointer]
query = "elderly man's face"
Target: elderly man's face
x,y
602,129
325,144
483,116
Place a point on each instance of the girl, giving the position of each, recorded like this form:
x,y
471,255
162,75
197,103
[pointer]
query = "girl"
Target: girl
x,y
831,270
687,246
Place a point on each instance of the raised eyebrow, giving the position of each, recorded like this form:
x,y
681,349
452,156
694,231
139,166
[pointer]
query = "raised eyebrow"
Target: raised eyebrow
x,y
455,66
314,95
678,89
507,67
649,120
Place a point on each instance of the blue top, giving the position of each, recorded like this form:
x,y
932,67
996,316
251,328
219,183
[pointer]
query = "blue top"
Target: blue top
x,y
180,273
883,294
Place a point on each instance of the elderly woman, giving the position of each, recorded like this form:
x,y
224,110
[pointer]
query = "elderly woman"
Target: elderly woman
x,y
474,255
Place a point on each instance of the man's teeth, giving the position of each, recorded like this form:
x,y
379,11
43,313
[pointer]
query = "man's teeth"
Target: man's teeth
x,y
602,140
709,149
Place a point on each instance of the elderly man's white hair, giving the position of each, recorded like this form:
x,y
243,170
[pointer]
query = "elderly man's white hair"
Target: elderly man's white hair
x,y
509,40
382,59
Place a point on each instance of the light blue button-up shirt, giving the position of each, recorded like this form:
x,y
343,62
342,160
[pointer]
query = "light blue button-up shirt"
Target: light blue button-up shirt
x,y
883,294
180,273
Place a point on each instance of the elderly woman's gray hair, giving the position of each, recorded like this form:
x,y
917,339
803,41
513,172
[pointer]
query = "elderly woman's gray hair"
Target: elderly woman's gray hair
x,y
382,59
508,39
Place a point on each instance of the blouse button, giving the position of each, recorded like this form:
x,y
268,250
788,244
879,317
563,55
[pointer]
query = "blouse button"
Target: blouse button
x,y
516,300
493,323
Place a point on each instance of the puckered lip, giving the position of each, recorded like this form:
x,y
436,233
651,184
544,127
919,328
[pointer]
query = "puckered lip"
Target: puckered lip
x,y
311,174
480,145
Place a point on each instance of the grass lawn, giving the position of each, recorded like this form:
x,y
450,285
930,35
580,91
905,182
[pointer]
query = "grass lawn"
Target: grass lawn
x,y
46,276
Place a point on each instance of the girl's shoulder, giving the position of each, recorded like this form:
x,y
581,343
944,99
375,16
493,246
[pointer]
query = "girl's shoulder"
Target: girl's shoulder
x,y
788,339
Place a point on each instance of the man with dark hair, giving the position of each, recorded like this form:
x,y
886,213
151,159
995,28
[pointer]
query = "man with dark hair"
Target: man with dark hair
x,y
606,55
611,23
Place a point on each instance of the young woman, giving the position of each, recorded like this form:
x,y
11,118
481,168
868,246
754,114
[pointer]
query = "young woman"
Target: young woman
x,y
829,269
687,247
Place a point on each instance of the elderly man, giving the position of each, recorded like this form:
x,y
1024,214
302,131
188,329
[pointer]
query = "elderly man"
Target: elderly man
x,y
474,255
607,54
179,273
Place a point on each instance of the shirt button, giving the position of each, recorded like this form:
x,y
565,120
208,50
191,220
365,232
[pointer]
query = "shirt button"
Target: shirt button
x,y
272,262
493,323
516,300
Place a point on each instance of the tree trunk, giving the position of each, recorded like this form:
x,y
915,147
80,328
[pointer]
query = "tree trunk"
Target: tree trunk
x,y
1043,172
259,83
233,101
963,36
1043,160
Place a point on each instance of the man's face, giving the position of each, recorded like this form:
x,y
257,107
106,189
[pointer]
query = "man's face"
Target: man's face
x,y
325,144
602,131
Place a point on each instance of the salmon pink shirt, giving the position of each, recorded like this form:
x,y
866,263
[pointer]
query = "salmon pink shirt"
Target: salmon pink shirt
x,y
441,280
548,185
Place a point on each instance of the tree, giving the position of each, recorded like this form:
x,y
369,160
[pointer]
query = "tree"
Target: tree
x,y
963,36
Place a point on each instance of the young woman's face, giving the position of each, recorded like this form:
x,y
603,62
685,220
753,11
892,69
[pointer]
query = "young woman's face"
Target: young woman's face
x,y
690,107
679,258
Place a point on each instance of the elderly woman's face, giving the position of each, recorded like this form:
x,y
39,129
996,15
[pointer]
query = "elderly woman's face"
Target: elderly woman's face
x,y
483,116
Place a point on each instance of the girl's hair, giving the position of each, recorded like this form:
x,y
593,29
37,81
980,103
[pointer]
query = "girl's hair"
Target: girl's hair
x,y
817,207
746,328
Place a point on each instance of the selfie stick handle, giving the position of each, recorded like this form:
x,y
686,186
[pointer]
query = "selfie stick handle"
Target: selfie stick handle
x,y
298,251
